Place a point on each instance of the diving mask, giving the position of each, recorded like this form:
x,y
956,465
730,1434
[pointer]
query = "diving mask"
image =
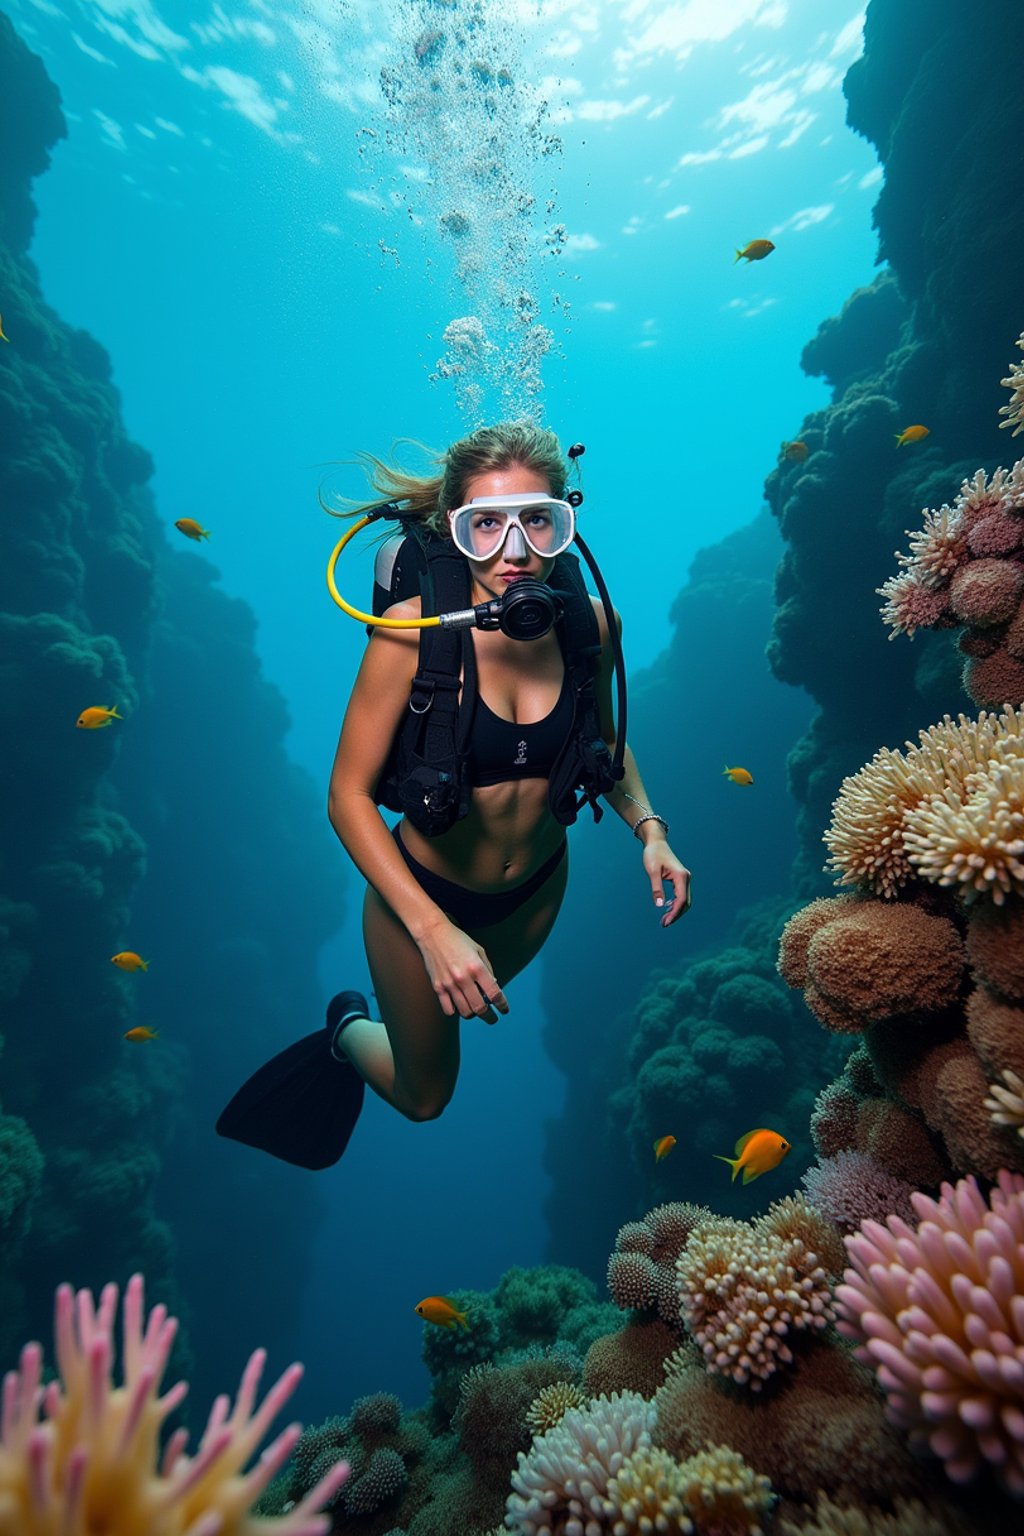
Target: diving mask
x,y
541,522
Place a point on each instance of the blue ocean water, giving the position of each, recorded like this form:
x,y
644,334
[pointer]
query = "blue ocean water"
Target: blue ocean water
x,y
252,228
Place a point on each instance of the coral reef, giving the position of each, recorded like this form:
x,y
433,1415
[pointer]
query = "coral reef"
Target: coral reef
x,y
91,1462
938,1313
850,1187
966,568
1014,410
745,1289
565,1474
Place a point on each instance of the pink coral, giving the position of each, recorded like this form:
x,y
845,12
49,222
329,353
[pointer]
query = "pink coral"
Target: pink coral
x,y
851,1187
91,1464
995,680
986,591
939,1313
1000,533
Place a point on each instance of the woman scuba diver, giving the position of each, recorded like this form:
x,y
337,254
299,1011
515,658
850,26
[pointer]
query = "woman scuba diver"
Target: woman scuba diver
x,y
489,749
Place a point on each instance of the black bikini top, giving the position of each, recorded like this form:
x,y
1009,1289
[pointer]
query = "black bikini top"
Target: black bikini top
x,y
500,750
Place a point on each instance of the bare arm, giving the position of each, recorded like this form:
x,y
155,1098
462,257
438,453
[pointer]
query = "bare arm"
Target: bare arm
x,y
376,706
659,861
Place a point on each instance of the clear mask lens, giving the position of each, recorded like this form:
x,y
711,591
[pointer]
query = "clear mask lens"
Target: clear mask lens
x,y
481,528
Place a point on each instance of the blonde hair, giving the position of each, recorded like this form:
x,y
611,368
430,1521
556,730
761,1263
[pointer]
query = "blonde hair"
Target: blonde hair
x,y
430,497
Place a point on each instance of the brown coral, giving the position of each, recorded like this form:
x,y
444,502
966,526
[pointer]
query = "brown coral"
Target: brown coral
x,y
995,948
822,1427
800,930
910,1517
631,1360
878,960
996,1031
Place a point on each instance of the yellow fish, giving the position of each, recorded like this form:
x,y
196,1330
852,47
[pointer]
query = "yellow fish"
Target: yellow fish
x,y
142,1032
757,1152
128,960
2,336
911,435
755,250
796,451
438,1309
663,1146
94,718
191,529
738,775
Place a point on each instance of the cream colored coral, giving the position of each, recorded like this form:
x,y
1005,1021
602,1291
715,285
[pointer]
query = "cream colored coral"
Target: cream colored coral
x,y
909,1518
1007,1101
947,811
1014,412
743,1289
647,1494
723,1493
973,838
93,1464
551,1404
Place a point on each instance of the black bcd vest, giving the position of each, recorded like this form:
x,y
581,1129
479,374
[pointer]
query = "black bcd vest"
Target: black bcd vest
x,y
425,774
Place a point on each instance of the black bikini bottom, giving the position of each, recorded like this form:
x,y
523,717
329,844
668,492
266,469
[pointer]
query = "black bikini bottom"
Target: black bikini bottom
x,y
478,909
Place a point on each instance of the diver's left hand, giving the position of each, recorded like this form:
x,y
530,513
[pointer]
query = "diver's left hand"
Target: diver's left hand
x,y
662,865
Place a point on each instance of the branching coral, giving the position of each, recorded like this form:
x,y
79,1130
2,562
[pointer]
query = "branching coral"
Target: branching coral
x,y
744,1288
551,1405
939,1313
92,1462
1014,411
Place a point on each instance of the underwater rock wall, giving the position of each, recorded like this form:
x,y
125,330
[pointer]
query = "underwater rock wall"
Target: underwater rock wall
x,y
180,831
937,92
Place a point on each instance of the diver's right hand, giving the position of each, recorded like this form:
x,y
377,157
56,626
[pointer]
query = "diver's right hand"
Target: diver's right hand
x,y
461,974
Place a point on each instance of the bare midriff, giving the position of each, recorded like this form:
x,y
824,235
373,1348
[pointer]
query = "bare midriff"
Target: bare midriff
x,y
509,831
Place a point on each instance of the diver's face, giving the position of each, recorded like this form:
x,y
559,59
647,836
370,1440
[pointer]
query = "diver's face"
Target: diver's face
x,y
514,559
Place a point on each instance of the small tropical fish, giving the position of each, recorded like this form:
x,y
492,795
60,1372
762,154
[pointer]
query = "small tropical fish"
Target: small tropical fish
x,y
142,1032
911,435
757,1152
663,1146
755,250
795,452
738,775
128,960
191,529
96,717
438,1309
2,336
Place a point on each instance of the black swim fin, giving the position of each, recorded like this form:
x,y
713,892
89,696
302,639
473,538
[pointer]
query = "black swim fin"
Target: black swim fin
x,y
302,1105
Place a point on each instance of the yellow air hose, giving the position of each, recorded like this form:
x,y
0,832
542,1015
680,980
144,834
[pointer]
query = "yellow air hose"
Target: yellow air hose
x,y
355,613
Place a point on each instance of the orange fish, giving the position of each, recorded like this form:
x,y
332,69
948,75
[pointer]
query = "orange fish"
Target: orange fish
x,y
439,1310
142,1032
94,718
191,529
755,250
738,775
795,452
663,1146
128,960
911,435
757,1152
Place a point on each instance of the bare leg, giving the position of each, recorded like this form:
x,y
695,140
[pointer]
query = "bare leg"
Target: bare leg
x,y
411,1055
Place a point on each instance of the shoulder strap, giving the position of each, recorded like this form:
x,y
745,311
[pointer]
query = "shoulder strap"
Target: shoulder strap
x,y
444,653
